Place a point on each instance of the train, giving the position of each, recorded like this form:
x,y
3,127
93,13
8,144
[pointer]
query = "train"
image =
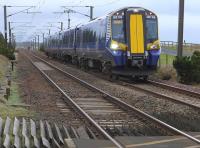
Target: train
x,y
124,42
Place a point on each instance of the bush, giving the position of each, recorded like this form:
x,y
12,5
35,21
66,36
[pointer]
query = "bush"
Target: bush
x,y
166,73
188,68
196,62
6,51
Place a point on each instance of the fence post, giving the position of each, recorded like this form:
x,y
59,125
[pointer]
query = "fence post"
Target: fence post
x,y
167,60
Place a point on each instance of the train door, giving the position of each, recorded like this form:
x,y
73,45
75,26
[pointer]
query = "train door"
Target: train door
x,y
135,34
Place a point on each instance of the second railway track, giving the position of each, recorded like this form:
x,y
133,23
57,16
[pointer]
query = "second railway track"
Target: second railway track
x,y
106,112
176,89
180,96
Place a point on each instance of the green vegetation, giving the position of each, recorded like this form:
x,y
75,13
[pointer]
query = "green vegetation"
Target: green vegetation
x,y
14,97
188,68
3,67
12,112
12,107
166,60
6,51
15,100
166,73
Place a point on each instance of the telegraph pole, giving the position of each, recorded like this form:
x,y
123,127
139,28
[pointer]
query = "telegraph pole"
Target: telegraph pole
x,y
10,34
68,11
5,23
91,12
68,23
180,28
13,38
43,38
35,43
61,26
32,48
38,42
5,19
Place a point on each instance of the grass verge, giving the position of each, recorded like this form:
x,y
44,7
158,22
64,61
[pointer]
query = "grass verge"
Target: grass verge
x,y
166,60
12,107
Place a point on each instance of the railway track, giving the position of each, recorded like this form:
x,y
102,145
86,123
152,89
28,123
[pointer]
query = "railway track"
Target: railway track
x,y
173,91
175,88
192,100
120,108
74,105
177,95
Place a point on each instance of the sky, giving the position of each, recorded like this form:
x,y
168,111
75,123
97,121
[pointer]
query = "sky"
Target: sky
x,y
49,13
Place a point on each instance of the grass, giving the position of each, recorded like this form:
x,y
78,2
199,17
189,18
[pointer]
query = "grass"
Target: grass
x,y
12,112
166,70
3,67
166,73
166,60
14,97
6,109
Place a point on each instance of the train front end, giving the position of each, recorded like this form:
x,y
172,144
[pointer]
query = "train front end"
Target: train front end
x,y
134,41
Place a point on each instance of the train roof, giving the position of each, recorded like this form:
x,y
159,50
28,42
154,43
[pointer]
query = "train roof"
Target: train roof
x,y
103,17
136,9
111,13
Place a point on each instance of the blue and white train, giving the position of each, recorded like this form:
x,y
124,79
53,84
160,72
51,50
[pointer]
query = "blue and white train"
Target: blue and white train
x,y
124,42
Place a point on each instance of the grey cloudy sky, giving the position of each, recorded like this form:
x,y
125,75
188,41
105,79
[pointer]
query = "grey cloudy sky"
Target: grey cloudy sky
x,y
167,10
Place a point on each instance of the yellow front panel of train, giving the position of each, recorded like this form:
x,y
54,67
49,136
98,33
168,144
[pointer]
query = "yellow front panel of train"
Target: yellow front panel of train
x,y
136,34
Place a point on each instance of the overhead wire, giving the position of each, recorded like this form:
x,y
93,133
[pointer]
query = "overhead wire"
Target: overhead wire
x,y
109,3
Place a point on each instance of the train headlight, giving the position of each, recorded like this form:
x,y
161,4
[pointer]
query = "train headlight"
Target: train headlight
x,y
153,47
114,46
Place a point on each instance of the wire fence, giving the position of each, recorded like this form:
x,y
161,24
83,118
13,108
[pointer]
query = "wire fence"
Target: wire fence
x,y
170,50
172,43
187,47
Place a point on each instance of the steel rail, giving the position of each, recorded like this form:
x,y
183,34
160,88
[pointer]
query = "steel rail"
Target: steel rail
x,y
93,122
181,90
127,106
160,95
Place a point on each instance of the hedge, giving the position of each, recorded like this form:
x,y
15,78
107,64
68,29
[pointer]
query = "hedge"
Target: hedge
x,y
6,51
188,68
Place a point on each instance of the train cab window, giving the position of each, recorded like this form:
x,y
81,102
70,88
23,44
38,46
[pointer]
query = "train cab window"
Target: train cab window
x,y
118,30
151,30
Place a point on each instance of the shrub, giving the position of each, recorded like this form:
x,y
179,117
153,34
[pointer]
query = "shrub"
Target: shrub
x,y
166,73
188,68
196,62
6,51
